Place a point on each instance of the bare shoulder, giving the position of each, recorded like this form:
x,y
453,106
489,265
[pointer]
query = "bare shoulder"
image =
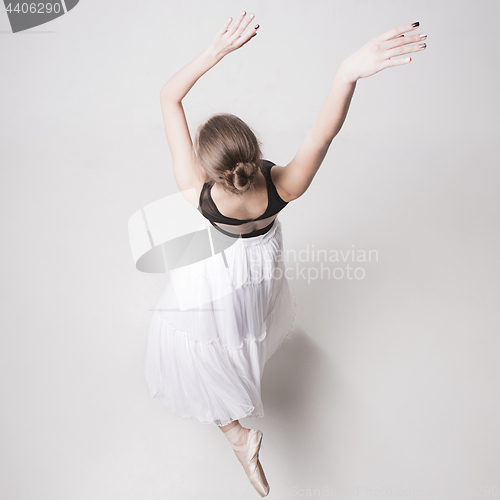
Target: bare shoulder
x,y
276,173
192,194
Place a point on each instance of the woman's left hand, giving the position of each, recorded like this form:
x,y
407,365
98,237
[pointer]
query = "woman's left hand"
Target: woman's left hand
x,y
229,39
379,52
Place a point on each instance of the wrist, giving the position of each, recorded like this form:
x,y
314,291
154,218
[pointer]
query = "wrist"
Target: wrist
x,y
346,75
211,56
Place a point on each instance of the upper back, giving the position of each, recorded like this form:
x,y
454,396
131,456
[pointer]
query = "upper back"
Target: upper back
x,y
209,209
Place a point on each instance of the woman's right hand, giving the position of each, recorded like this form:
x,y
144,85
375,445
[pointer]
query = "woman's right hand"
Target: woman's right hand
x,y
228,39
376,55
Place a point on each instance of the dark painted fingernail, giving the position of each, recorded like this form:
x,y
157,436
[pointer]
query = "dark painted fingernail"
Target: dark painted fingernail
x,y
416,24
257,26
399,36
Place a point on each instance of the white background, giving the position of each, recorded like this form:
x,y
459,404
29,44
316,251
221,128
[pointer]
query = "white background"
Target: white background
x,y
389,384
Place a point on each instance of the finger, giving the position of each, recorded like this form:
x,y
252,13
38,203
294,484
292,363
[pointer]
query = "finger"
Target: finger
x,y
227,23
246,37
243,25
396,62
236,24
402,40
397,31
404,49
224,28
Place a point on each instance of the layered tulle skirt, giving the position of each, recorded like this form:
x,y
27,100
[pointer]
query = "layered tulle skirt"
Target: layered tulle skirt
x,y
214,328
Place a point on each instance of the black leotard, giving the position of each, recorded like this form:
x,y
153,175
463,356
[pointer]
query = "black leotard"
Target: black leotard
x,y
275,204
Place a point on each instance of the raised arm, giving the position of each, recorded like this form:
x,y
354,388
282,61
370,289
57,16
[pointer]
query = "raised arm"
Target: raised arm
x,y
373,57
227,39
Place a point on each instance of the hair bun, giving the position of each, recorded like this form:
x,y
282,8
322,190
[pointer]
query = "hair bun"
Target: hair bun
x,y
240,178
244,176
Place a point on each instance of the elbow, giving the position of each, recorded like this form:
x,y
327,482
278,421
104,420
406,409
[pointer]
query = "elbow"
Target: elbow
x,y
321,142
167,96
163,91
297,193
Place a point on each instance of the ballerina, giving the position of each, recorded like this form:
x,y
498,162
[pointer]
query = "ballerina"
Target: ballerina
x,y
207,363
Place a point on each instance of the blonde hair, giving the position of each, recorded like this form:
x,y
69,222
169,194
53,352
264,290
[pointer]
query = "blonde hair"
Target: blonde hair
x,y
229,152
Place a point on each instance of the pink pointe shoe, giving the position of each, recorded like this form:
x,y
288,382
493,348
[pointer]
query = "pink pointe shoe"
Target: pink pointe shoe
x,y
248,455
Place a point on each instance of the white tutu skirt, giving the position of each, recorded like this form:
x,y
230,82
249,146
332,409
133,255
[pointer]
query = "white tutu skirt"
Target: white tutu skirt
x,y
214,328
